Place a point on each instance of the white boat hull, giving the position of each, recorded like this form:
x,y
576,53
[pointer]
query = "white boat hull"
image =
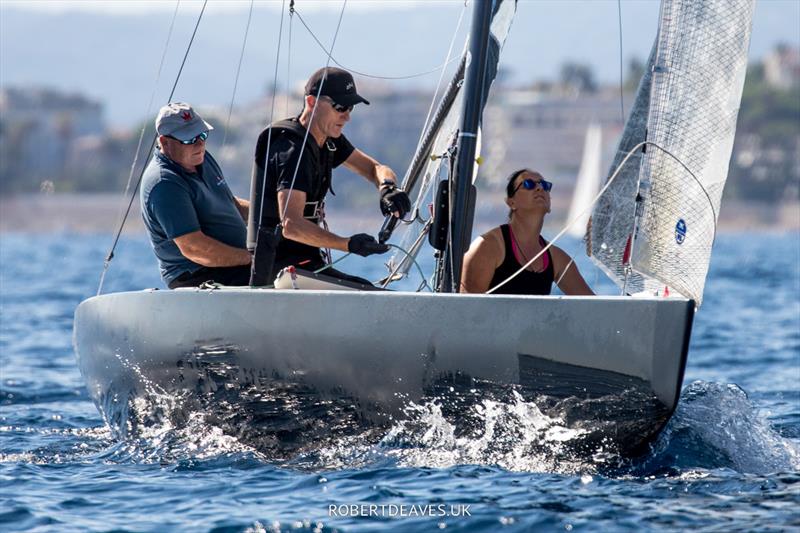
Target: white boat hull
x,y
382,349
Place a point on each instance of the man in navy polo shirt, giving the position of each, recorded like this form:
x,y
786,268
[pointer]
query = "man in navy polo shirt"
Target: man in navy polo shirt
x,y
196,225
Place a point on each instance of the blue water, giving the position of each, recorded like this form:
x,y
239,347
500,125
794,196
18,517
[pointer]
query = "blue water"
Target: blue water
x,y
728,460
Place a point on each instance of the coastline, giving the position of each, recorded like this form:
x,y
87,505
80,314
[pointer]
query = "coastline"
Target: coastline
x,y
83,213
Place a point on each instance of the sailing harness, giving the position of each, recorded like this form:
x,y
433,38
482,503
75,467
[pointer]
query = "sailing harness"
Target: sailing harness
x,y
264,226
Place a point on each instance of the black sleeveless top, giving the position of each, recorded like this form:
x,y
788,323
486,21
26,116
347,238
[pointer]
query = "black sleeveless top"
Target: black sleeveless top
x,y
526,282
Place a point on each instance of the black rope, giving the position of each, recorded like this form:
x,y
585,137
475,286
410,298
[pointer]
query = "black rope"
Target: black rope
x,y
110,255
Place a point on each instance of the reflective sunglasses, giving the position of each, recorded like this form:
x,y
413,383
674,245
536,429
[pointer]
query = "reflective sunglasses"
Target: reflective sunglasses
x,y
338,107
202,137
531,184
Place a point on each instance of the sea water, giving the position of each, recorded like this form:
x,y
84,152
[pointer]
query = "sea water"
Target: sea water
x,y
728,460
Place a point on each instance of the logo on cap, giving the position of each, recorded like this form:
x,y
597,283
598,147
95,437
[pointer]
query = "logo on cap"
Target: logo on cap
x,y
349,86
186,115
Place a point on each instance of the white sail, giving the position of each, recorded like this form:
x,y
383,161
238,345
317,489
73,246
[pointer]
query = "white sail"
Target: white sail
x,y
697,86
588,182
438,167
611,229
690,94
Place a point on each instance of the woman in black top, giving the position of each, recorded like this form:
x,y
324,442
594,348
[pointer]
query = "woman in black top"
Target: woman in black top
x,y
502,251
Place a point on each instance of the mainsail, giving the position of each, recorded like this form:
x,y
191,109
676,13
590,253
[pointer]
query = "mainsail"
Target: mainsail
x,y
439,153
696,76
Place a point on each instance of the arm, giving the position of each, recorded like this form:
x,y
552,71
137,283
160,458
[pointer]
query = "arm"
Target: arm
x,y
483,257
204,250
243,206
567,274
370,169
298,228
171,206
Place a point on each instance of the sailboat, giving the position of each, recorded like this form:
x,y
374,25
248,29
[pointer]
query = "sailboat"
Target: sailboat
x,y
588,183
611,366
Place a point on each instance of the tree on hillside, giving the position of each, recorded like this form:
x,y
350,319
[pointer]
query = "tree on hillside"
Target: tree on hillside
x,y
578,76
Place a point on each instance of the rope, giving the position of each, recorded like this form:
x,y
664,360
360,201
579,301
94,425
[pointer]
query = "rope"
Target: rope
x,y
110,256
564,272
236,79
289,55
419,268
313,112
374,76
441,77
330,265
621,61
414,246
269,133
596,198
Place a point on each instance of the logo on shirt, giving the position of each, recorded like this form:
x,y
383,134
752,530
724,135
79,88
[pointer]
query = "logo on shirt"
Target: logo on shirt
x,y
220,180
186,116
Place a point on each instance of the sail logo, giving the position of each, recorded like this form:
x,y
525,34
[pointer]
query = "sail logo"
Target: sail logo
x,y
680,231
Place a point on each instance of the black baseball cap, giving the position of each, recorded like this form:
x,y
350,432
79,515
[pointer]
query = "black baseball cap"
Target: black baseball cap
x,y
337,84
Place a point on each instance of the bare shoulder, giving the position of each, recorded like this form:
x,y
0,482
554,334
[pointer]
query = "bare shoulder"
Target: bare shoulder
x,y
558,253
489,247
494,238
560,257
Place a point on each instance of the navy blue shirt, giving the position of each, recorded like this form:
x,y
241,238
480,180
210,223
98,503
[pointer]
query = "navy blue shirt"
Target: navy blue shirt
x,y
176,202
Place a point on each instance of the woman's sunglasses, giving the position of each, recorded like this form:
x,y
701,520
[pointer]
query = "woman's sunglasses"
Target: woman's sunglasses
x,y
531,184
202,137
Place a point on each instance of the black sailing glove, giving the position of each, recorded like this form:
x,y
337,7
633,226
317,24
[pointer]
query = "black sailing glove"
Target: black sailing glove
x,y
364,245
394,200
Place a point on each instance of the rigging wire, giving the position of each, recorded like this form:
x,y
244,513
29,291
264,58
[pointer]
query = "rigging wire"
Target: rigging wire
x,y
313,112
448,60
289,55
364,74
236,79
419,268
621,67
110,255
408,255
596,198
148,110
426,123
414,246
271,118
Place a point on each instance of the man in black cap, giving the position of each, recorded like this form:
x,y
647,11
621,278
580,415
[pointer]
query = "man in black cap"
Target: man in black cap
x,y
196,224
294,160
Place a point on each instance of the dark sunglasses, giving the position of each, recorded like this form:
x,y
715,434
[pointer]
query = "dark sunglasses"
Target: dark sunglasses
x,y
202,137
531,184
338,107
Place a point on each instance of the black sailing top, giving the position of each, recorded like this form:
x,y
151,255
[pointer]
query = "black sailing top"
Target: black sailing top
x,y
527,282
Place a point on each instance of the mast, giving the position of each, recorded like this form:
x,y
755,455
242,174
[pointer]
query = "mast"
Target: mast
x,y
422,155
463,198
